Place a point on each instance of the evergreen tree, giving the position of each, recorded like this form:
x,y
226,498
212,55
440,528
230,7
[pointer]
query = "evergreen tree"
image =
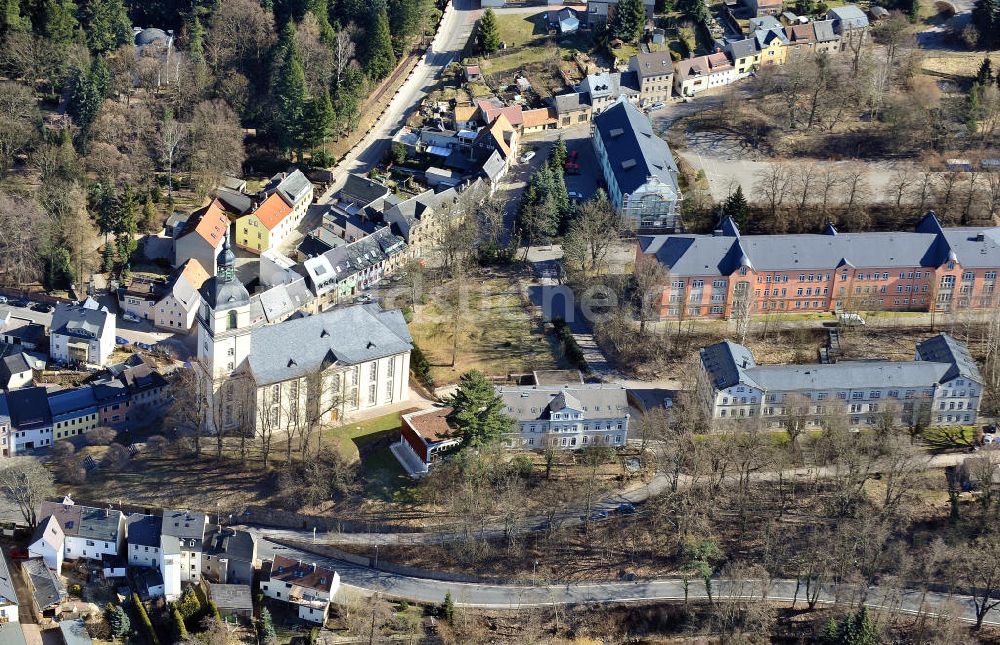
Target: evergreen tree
x,y
318,120
973,108
289,93
448,608
196,49
149,218
108,258
488,32
629,20
478,411
985,74
320,9
558,156
405,19
268,635
59,20
737,208
85,100
118,620
106,25
379,56
127,226
11,18
986,19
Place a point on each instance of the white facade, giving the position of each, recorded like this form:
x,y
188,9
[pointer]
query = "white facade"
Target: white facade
x,y
313,603
48,544
170,567
35,438
83,547
92,351
567,417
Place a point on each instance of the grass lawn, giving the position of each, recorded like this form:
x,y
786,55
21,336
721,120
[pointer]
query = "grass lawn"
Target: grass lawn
x,y
518,30
950,437
350,438
496,334
384,477
625,52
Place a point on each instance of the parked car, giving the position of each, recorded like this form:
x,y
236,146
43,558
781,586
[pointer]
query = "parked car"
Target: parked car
x,y
851,320
626,508
655,106
19,302
18,553
527,156
3,300
121,341
131,317
575,195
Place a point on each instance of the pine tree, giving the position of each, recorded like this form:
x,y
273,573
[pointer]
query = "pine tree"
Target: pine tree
x,y
128,224
11,18
478,411
986,19
448,608
267,633
108,258
985,74
118,620
59,20
318,120
629,20
973,108
84,101
320,9
379,56
106,25
196,49
289,93
149,219
558,156
488,32
737,208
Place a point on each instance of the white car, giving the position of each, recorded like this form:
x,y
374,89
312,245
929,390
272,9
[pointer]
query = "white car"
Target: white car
x,y
655,106
131,317
575,195
527,156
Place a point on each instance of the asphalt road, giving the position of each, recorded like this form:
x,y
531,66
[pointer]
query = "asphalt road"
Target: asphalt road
x,y
365,580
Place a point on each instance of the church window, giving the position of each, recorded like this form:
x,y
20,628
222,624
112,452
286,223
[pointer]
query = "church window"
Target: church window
x,y
390,369
373,374
232,320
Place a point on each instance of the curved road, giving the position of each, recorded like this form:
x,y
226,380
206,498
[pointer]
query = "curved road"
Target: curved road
x,y
366,581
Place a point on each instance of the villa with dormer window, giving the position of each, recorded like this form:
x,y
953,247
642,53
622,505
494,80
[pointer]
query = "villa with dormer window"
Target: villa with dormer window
x,y
567,417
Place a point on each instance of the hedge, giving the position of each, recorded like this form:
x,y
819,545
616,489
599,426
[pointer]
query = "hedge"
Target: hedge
x,y
569,345
421,367
180,630
147,624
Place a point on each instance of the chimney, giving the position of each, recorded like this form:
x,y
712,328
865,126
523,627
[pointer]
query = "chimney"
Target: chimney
x,y
300,562
312,567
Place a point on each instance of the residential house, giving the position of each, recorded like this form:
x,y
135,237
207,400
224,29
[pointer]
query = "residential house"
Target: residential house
x,y
174,566
202,236
490,109
745,56
638,168
188,528
16,370
143,533
146,388
7,444
8,594
30,419
572,108
655,72
942,383
600,12
297,191
82,334
605,88
772,43
178,303
229,555
694,75
87,532
500,136
74,412
22,332
140,295
464,116
930,269
764,7
846,19
307,586
420,219
263,228
424,437
112,402
801,39
566,416
827,40
47,543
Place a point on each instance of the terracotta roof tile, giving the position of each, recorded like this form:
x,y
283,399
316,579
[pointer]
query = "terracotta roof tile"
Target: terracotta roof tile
x,y
211,223
540,116
272,211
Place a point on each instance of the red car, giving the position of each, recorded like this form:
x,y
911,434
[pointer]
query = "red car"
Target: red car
x,y
18,553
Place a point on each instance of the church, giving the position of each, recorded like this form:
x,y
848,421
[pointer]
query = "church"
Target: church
x,y
304,372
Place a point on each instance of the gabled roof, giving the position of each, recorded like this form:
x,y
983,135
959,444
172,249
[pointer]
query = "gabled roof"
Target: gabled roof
x,y
345,335
184,524
743,48
539,116
12,634
653,63
301,574
465,112
230,543
187,282
848,16
945,349
231,597
634,152
49,531
800,34
491,109
81,321
361,190
235,202
208,223
824,31
724,363
28,408
494,166
8,592
46,590
143,530
273,211
572,102
294,187
84,521
499,131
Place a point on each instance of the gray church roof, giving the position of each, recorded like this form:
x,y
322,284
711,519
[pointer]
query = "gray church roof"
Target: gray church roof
x,y
345,336
634,152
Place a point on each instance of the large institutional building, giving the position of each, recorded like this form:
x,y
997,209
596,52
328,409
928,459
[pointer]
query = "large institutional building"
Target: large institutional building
x,y
306,370
568,417
942,382
932,268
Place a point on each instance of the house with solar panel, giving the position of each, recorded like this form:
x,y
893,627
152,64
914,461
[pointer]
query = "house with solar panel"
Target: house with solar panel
x,y
638,168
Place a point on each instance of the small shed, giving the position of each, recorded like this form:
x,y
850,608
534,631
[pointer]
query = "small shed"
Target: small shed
x,y
113,566
74,632
232,600
473,73
440,177
879,13
12,634
568,22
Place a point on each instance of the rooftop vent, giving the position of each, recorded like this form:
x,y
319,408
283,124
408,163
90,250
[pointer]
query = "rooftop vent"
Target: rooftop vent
x,y
629,163
616,132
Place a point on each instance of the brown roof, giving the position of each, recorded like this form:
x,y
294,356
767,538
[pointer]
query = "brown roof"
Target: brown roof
x,y
718,61
491,111
210,223
472,69
67,515
431,424
194,273
301,574
272,211
497,130
654,63
465,112
539,116
801,33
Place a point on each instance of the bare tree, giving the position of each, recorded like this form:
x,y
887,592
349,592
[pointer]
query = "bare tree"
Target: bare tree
x,y
20,227
343,50
976,567
773,184
171,134
26,483
650,278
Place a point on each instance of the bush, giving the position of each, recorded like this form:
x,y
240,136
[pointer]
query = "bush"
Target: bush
x,y
325,476
75,590
147,624
421,367
179,629
188,605
571,349
266,628
944,9
73,472
100,436
156,443
116,457
63,449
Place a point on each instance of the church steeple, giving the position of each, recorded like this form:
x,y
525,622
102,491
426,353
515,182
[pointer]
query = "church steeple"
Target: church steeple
x,y
226,262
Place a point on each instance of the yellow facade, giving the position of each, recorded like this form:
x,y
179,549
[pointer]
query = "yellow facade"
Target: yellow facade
x,y
774,53
252,235
746,63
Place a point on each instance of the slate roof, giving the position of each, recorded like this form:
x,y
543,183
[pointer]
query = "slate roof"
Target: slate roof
x,y
28,408
847,17
534,402
634,152
281,300
81,321
945,349
230,543
653,63
84,521
45,589
824,31
143,530
929,246
8,592
361,190
344,336
572,102
231,597
294,187
12,364
71,402
184,524
23,329
724,362
743,48
238,203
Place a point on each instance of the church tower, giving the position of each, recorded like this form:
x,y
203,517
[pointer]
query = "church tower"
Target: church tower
x,y
224,328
